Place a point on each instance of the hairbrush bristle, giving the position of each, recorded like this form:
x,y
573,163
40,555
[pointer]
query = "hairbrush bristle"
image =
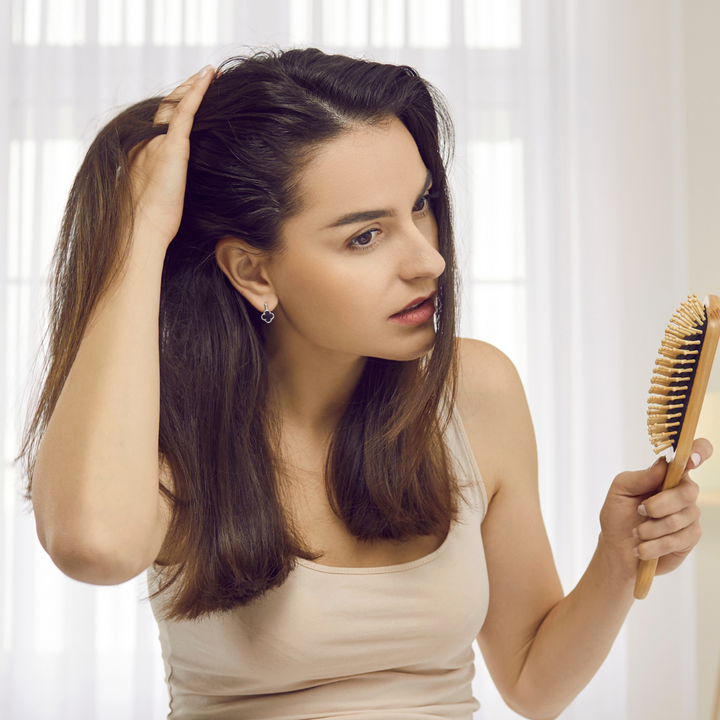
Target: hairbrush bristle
x,y
674,373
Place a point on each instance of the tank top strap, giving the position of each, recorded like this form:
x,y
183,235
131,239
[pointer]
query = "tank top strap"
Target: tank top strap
x,y
459,445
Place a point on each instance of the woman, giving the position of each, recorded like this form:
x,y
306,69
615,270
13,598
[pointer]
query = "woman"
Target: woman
x,y
332,497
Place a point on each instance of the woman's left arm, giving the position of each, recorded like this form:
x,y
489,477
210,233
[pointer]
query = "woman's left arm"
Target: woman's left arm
x,y
576,636
542,648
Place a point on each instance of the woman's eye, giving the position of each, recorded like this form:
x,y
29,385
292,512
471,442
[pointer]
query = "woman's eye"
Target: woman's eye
x,y
359,239
422,204
366,240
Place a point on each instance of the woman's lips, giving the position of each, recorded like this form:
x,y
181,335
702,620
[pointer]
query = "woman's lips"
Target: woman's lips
x,y
419,316
416,301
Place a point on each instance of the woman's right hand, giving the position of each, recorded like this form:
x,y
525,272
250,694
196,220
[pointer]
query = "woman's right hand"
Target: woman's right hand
x,y
158,167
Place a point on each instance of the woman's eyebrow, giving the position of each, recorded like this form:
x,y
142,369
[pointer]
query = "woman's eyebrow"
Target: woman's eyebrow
x,y
365,215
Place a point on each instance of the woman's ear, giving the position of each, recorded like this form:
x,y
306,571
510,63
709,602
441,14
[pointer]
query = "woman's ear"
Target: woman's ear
x,y
246,269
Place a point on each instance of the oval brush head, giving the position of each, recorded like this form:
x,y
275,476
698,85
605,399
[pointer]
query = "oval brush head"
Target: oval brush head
x,y
674,374
677,392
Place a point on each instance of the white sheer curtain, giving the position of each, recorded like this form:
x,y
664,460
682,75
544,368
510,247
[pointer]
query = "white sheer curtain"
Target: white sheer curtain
x,y
571,251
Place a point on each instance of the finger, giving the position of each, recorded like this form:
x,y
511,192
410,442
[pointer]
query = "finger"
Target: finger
x,y
653,529
672,500
702,449
638,483
182,119
680,542
170,102
177,94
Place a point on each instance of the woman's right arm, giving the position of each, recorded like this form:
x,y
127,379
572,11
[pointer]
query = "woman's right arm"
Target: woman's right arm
x,y
98,509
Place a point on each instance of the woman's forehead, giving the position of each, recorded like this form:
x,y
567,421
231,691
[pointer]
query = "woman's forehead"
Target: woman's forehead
x,y
360,168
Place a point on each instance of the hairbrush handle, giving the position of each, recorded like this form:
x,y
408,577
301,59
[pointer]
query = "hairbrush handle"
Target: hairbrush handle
x,y
646,568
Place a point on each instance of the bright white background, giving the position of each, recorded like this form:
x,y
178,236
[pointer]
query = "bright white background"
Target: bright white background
x,y
584,216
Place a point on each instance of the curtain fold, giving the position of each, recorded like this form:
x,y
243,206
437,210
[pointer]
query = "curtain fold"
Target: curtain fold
x,y
563,229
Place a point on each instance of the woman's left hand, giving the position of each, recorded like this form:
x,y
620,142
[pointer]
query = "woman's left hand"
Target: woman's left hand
x,y
636,518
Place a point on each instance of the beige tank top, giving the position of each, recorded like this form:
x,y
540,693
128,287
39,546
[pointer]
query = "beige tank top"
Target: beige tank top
x,y
375,643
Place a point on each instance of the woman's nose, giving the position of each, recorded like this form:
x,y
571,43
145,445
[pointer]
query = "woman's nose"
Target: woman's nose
x,y
420,254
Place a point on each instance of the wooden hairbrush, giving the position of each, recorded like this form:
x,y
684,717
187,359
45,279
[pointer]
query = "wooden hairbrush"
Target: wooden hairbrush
x,y
677,392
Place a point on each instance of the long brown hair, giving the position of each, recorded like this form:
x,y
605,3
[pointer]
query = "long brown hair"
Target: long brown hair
x,y
388,473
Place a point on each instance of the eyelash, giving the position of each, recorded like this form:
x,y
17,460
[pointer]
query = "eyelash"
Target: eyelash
x,y
371,246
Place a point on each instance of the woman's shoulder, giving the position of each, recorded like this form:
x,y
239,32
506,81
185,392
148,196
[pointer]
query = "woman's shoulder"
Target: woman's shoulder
x,y
492,406
486,372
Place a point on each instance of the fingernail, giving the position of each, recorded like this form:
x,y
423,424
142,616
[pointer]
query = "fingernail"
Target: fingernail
x,y
205,71
636,552
635,532
642,510
695,457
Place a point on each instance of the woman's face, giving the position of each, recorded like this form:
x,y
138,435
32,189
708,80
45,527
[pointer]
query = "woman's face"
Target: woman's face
x,y
342,277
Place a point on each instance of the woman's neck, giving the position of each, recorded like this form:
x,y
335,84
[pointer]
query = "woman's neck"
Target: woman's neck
x,y
311,385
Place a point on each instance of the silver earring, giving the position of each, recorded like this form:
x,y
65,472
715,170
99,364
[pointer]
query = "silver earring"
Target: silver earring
x,y
267,316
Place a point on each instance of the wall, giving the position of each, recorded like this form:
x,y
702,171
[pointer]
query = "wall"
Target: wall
x,y
702,142
701,56
666,65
